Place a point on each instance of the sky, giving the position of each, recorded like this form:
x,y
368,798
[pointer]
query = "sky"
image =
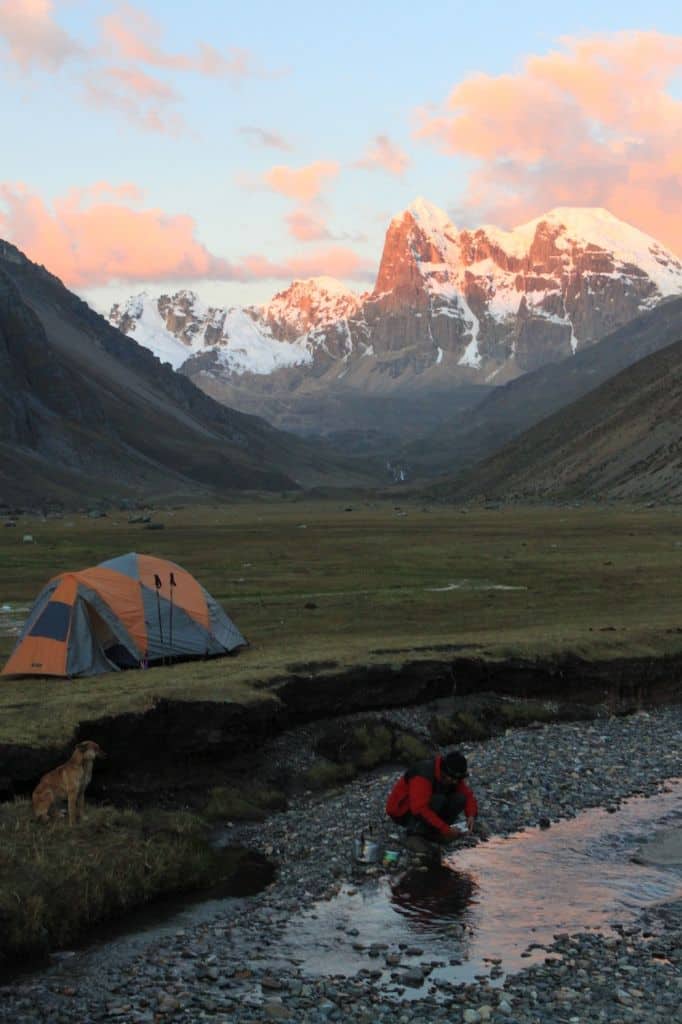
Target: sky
x,y
233,147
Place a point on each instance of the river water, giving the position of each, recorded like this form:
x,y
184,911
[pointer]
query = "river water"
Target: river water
x,y
486,911
494,907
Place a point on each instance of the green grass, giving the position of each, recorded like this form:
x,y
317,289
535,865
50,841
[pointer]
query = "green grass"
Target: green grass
x,y
57,881
598,582
324,774
243,803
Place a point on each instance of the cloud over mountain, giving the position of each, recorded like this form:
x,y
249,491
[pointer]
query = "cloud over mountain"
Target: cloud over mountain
x,y
91,237
383,154
301,183
594,123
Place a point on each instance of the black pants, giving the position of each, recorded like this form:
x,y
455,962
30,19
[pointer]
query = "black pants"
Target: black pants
x,y
447,806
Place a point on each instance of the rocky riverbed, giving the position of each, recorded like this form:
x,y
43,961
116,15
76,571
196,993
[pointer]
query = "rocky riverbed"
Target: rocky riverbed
x,y
221,968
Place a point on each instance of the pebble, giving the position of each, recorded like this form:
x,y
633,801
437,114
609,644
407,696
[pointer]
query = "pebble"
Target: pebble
x,y
221,968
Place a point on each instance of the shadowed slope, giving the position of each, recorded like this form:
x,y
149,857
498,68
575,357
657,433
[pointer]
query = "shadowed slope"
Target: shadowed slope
x,y
85,412
512,409
622,440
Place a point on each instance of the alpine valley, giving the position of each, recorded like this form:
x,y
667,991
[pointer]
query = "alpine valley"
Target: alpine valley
x,y
452,316
87,416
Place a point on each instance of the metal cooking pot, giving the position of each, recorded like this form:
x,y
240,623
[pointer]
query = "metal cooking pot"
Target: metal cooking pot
x,y
367,851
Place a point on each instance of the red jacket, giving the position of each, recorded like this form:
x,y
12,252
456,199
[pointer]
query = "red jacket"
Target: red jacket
x,y
413,791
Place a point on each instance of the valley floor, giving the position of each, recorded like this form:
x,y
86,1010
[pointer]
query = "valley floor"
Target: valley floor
x,y
357,583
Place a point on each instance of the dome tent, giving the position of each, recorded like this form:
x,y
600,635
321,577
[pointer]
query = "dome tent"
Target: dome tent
x,y
124,613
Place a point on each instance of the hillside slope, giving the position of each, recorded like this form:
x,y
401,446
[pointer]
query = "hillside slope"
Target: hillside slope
x,y
87,414
508,411
621,441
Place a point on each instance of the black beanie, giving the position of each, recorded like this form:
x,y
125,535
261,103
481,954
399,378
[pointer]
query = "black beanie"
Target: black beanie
x,y
455,765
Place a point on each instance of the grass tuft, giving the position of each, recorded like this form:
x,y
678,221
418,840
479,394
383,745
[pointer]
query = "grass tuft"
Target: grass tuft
x,y
229,803
56,881
326,774
409,749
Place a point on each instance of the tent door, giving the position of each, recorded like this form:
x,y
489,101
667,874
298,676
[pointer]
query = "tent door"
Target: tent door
x,y
110,645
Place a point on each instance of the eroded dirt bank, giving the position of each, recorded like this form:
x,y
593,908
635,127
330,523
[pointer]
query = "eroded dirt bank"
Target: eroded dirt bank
x,y
177,748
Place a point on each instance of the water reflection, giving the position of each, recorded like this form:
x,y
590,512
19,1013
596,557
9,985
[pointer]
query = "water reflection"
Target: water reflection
x,y
502,901
431,898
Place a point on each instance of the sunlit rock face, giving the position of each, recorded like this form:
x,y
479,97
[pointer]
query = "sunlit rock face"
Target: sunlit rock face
x,y
448,307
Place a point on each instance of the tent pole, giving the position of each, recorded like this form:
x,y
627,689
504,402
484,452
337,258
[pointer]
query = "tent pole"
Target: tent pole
x,y
158,584
172,587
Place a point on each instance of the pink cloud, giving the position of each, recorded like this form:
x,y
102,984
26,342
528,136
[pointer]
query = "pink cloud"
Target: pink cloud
x,y
234,63
593,123
88,241
307,227
145,101
140,84
384,155
335,261
265,138
32,36
135,37
303,183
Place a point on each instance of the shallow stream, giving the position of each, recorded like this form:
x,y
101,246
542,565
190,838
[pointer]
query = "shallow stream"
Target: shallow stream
x,y
487,911
12,618
492,909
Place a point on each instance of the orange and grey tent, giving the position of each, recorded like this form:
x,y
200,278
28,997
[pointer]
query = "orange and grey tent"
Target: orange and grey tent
x,y
125,613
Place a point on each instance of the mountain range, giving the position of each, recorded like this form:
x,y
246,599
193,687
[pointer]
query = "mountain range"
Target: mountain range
x,y
87,414
452,314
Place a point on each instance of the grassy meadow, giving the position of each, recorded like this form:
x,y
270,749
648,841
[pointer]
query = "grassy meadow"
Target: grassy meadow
x,y
360,582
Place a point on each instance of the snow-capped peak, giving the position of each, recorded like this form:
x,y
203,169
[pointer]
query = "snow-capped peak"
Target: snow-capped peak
x,y
595,226
330,285
315,288
308,304
429,216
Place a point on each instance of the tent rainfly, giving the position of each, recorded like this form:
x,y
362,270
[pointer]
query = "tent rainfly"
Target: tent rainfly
x,y
125,613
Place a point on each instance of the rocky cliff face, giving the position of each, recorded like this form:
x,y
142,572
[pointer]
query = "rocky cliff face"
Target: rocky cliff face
x,y
448,308
502,303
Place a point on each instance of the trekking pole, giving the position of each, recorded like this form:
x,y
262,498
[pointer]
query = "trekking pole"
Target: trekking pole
x,y
158,584
172,586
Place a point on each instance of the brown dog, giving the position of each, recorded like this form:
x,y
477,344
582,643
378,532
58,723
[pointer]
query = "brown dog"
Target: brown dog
x,y
67,782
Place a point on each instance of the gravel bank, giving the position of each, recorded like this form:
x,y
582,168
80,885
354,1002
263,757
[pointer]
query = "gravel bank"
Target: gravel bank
x,y
221,970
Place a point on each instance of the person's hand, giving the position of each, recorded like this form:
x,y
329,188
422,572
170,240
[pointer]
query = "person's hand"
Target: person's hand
x,y
471,822
452,833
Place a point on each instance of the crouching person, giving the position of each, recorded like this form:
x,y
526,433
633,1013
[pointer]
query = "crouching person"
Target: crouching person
x,y
429,797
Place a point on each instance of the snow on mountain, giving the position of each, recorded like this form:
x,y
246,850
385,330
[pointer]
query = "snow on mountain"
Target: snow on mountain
x,y
503,302
498,256
248,346
581,227
449,306
178,327
307,305
139,317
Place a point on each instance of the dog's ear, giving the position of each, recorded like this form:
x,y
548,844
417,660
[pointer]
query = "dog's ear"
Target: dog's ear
x,y
83,746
